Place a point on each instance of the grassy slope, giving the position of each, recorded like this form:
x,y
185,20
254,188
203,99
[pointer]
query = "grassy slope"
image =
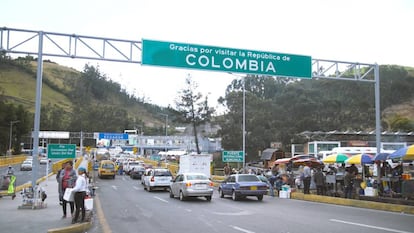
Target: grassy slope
x,y
20,88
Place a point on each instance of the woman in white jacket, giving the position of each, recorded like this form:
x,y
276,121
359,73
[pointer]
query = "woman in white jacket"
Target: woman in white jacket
x,y
80,192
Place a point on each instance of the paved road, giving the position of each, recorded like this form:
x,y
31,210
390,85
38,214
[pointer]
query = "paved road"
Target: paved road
x,y
127,207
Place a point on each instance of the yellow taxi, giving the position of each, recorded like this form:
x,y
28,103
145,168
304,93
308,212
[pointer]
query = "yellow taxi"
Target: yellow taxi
x,y
107,168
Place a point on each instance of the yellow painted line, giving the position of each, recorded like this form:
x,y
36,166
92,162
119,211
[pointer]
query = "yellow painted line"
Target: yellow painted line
x,y
101,216
80,227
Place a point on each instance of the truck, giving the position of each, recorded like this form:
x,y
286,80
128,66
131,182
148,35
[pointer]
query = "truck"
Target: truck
x,y
199,163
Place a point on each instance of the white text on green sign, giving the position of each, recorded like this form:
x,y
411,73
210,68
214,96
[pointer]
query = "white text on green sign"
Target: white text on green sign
x,y
172,54
60,151
232,156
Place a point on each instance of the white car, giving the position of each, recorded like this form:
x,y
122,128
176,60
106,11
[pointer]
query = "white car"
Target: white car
x,y
157,178
44,161
191,185
131,165
27,165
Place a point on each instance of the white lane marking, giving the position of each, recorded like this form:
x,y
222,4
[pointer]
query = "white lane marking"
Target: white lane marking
x,y
188,210
241,229
135,187
369,226
159,198
114,187
240,213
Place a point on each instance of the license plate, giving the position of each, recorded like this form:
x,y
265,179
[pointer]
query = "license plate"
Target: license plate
x,y
200,186
253,188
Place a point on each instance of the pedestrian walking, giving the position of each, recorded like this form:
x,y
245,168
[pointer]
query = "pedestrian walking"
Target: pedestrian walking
x,y
67,179
227,170
306,178
272,181
60,183
80,190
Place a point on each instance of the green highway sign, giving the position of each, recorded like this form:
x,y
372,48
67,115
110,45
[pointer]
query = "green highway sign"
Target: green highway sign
x,y
61,151
232,156
203,57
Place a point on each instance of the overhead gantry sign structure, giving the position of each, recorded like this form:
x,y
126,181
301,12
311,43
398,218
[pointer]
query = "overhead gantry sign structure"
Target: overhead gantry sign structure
x,y
179,55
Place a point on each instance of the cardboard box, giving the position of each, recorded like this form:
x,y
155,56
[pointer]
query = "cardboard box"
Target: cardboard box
x,y
370,192
284,194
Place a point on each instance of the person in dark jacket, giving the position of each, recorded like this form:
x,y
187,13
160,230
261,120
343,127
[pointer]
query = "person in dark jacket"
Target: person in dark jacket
x,y
59,183
319,179
349,183
67,179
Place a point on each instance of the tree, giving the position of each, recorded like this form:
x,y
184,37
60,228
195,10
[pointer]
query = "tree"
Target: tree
x,y
192,108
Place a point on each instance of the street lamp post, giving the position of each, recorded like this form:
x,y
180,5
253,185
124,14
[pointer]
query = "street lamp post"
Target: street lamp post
x,y
11,134
166,132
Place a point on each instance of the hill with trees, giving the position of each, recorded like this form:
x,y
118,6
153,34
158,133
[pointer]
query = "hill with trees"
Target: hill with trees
x,y
277,109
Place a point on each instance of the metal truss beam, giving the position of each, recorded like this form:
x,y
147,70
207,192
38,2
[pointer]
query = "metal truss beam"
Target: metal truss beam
x,y
69,45
353,71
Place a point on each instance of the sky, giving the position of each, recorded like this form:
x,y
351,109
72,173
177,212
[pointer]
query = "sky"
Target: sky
x,y
369,31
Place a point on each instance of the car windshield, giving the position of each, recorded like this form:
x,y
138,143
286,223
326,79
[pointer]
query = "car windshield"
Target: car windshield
x,y
162,173
248,178
108,165
197,177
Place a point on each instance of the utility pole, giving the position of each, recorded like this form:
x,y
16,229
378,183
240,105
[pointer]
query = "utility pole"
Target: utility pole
x,y
11,135
166,132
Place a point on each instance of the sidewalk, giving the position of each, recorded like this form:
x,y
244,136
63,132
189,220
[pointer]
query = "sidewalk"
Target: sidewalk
x,y
49,219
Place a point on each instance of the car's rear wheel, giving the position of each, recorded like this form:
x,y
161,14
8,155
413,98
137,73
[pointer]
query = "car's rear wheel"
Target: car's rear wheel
x,y
260,197
182,197
234,196
171,194
221,193
208,198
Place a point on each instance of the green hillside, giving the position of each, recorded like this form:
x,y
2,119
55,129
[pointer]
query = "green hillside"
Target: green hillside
x,y
59,90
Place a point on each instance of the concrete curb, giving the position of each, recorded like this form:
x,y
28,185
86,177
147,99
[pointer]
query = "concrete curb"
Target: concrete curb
x,y
354,203
75,228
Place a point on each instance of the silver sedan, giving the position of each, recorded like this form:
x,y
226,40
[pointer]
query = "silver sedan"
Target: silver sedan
x,y
191,185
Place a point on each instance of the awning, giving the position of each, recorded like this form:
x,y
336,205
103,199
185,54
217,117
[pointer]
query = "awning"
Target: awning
x,y
267,154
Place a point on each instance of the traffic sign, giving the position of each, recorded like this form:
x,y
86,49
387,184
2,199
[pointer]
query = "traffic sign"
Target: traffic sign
x,y
233,156
173,54
61,151
113,136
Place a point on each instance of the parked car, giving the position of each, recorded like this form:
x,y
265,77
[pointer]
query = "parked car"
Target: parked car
x,y
137,172
106,168
157,178
243,185
27,165
191,185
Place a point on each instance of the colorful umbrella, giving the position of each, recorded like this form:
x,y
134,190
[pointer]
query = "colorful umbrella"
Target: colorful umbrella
x,y
360,159
313,162
381,156
282,161
405,153
335,158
